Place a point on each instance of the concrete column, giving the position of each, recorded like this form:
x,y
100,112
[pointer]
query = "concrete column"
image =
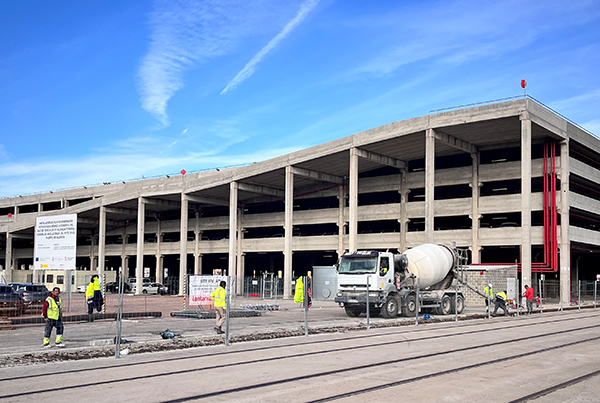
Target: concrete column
x,y
429,184
93,264
475,216
8,260
289,231
197,269
158,255
565,238
341,223
160,273
525,201
199,262
102,243
124,267
403,221
353,202
40,207
233,208
139,259
239,258
183,230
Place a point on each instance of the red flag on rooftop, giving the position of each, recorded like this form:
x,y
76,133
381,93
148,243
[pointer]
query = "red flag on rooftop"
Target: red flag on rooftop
x,y
183,172
523,83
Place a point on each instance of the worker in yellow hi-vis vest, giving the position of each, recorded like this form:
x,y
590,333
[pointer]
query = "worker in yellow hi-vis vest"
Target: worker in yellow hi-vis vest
x,y
52,311
489,295
219,295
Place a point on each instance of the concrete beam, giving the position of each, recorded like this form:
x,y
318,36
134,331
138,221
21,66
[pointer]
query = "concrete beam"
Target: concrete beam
x,y
22,236
207,200
318,176
159,202
455,142
264,190
126,211
95,221
380,159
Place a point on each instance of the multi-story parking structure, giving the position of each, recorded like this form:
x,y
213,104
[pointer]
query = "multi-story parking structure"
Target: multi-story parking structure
x,y
511,181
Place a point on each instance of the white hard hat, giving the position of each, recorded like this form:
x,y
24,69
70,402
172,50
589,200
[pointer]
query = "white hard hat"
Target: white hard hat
x,y
489,284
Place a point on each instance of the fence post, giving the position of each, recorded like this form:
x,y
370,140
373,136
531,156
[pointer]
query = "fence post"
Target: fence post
x,y
368,323
417,303
305,295
456,302
119,317
103,293
518,297
540,294
227,304
185,291
579,294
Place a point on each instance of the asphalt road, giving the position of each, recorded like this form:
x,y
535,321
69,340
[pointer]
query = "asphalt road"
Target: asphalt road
x,y
503,360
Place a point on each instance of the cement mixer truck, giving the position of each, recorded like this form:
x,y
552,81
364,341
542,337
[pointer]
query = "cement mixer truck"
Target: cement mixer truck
x,y
394,279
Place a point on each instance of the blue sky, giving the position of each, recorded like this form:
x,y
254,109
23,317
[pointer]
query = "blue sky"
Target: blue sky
x,y
99,91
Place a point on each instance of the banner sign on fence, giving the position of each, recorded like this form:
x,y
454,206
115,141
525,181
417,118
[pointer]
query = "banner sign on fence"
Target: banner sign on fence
x,y
55,242
201,287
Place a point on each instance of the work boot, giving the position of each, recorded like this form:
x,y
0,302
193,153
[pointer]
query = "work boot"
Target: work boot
x,y
47,345
60,344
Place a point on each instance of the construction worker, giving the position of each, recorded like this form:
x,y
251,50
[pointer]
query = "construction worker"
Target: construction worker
x,y
93,296
500,302
529,298
52,311
489,295
218,296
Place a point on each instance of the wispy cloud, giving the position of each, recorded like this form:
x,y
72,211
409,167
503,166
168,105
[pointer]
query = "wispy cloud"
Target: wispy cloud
x,y
250,67
455,33
27,176
186,33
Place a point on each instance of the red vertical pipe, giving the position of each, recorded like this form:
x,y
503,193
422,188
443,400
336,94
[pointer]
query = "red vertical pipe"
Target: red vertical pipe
x,y
546,218
554,215
555,219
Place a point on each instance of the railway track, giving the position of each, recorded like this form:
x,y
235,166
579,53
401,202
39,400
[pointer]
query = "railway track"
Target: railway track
x,y
579,329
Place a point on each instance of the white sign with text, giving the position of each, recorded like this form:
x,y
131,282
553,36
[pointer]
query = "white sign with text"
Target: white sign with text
x,y
55,243
201,287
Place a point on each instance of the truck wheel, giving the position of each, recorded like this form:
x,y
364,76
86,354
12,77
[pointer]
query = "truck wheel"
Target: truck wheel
x,y
352,311
461,304
445,307
411,306
390,308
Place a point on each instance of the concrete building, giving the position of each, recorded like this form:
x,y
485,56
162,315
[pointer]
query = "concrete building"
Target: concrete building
x,y
512,182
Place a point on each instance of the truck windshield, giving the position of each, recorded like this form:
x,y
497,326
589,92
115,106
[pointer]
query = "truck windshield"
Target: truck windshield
x,y
358,265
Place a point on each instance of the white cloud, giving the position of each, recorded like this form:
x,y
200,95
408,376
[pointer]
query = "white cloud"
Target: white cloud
x,y
38,176
574,103
459,32
186,33
250,67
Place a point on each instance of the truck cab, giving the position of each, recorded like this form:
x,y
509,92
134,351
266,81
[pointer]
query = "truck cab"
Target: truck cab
x,y
384,271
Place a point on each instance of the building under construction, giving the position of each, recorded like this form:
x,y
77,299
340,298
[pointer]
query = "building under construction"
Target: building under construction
x,y
514,182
